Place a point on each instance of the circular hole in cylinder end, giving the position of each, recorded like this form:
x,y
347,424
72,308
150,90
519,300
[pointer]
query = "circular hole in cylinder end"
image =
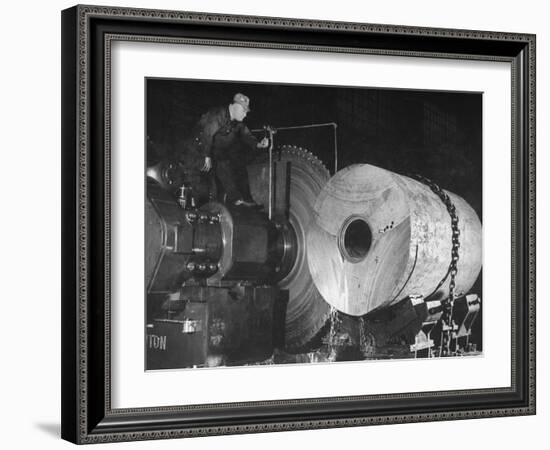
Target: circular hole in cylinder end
x,y
355,239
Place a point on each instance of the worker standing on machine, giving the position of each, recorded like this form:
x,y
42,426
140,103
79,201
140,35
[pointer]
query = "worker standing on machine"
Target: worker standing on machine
x,y
214,145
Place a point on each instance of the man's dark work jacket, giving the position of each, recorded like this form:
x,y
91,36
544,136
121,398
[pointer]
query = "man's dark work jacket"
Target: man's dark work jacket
x,y
216,136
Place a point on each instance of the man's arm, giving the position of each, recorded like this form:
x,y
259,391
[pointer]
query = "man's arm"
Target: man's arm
x,y
250,140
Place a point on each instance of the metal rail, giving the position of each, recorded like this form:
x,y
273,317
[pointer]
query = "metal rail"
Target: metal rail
x,y
314,125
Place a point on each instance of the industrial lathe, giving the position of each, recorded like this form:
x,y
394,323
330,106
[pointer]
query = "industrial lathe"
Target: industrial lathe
x,y
365,264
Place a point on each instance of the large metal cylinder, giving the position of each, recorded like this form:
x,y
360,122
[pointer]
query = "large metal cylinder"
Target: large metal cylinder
x,y
378,237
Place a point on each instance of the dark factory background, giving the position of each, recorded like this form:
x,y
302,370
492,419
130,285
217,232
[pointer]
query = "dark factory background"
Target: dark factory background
x,y
436,134
433,133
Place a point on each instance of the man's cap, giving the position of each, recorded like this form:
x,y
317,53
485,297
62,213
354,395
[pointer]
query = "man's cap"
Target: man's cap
x,y
242,100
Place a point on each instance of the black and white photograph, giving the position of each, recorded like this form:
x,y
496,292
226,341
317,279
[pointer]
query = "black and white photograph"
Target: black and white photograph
x,y
275,225
298,224
279,219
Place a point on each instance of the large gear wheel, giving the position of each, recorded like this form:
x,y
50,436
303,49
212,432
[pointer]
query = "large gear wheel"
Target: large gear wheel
x,y
307,311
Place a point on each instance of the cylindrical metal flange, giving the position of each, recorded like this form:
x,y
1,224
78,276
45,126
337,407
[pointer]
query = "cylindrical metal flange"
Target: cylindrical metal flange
x,y
251,247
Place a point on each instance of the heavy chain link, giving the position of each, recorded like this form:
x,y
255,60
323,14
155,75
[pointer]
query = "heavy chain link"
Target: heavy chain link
x,y
447,304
